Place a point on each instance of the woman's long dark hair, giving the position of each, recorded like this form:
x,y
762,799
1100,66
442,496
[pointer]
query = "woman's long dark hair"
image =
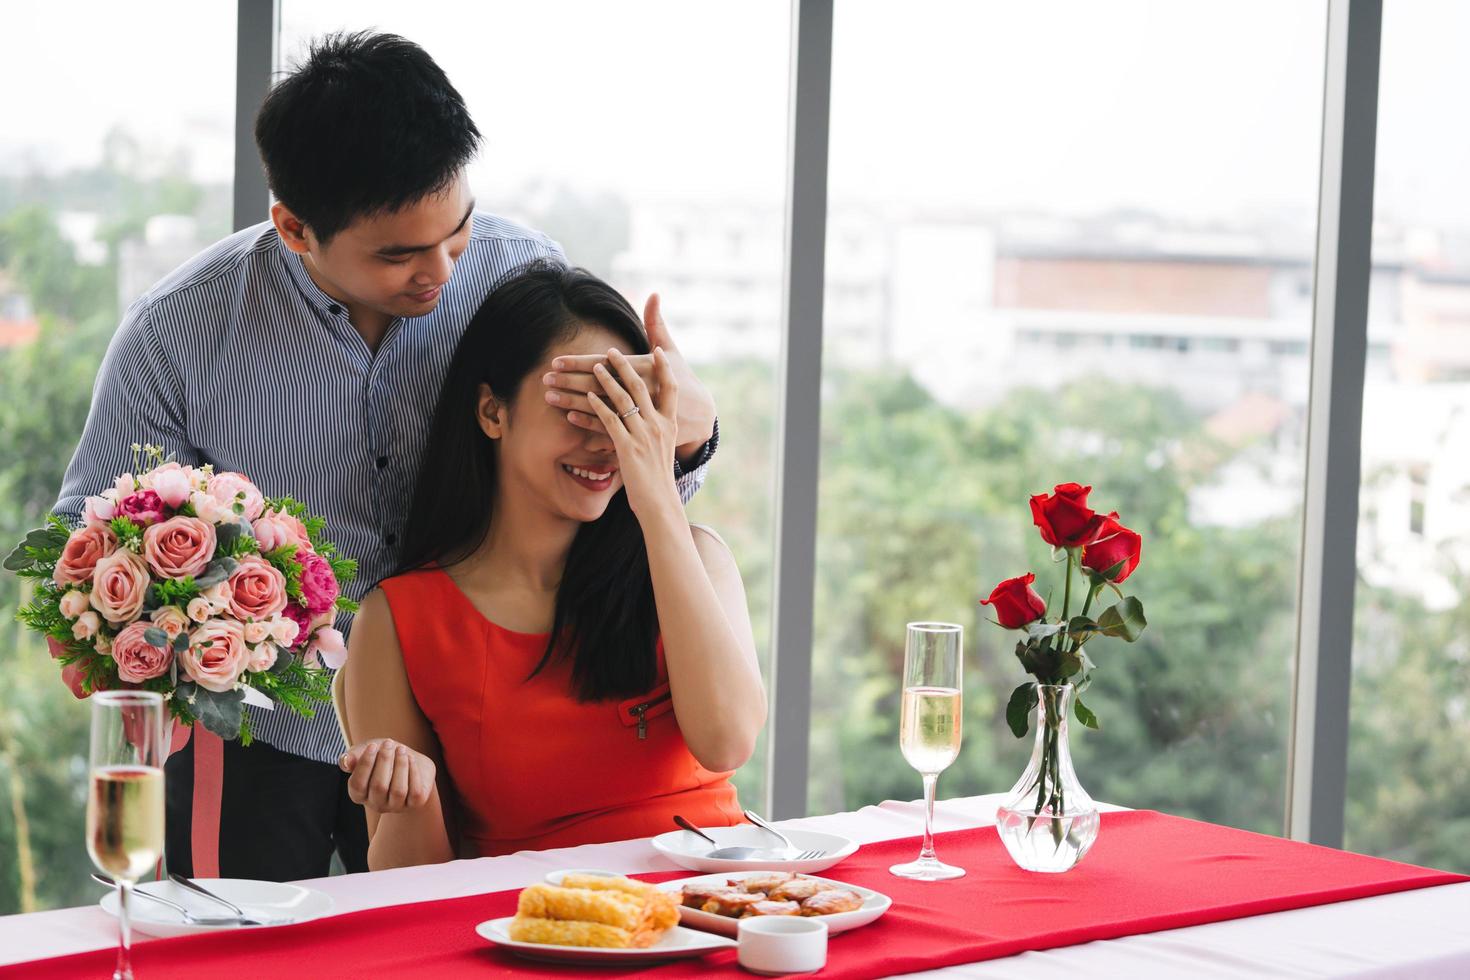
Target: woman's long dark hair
x,y
605,620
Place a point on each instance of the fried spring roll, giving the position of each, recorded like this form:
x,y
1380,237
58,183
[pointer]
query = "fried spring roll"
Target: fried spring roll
x,y
612,908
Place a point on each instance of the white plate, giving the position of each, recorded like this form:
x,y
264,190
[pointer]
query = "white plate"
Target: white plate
x,y
263,899
677,944
688,850
874,905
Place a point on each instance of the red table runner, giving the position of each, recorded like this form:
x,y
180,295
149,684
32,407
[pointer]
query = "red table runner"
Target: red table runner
x,y
1148,872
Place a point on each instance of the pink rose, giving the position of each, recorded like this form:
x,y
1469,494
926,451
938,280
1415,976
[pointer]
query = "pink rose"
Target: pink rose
x,y
74,603
179,547
233,488
119,585
263,657
218,596
277,528
210,509
257,631
318,584
329,645
86,626
215,655
84,549
258,589
137,659
142,507
123,486
284,631
171,619
100,510
198,609
171,483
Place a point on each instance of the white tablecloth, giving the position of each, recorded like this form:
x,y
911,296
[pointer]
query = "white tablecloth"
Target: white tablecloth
x,y
1421,933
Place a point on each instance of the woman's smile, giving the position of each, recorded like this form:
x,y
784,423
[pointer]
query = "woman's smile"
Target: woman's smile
x,y
599,477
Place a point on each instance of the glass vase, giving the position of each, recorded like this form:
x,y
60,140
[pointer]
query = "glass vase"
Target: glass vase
x,y
1048,821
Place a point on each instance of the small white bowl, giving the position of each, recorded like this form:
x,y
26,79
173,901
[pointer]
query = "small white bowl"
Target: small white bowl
x,y
776,944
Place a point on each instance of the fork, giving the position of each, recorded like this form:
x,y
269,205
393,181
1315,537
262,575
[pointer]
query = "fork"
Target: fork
x,y
791,853
192,918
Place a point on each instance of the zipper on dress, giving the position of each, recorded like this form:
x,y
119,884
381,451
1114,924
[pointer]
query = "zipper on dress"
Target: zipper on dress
x,y
640,710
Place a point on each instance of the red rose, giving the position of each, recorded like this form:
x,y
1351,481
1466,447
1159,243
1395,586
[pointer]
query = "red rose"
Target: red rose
x,y
1064,518
1016,602
1115,543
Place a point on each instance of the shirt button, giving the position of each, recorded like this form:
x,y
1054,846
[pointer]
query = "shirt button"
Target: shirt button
x,y
334,309
390,539
382,461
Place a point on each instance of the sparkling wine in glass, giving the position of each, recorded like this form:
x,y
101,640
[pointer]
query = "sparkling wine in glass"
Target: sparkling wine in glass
x,y
125,797
929,730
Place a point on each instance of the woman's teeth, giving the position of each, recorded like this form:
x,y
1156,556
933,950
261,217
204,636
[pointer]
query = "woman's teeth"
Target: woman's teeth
x,y
586,474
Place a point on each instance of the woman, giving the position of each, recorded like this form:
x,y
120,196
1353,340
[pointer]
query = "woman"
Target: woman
x,y
563,650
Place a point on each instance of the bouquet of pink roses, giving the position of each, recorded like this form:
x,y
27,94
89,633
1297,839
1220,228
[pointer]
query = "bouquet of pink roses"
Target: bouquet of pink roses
x,y
193,584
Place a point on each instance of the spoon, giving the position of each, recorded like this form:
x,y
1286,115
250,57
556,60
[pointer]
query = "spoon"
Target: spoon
x,y
729,853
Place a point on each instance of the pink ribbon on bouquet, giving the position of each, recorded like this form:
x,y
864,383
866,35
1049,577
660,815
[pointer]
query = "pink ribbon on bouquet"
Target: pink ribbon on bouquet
x,y
209,783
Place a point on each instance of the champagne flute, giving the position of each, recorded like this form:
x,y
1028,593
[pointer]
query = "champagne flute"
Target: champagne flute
x,y
929,730
125,798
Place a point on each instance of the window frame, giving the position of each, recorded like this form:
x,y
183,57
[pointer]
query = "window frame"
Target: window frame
x,y
1317,765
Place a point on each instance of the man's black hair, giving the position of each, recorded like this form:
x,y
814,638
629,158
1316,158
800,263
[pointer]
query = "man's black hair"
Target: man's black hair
x,y
365,125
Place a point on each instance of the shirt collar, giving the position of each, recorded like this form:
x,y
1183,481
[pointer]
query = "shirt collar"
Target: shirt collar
x,y
310,291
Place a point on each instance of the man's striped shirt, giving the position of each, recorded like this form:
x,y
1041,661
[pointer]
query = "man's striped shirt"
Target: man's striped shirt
x,y
238,359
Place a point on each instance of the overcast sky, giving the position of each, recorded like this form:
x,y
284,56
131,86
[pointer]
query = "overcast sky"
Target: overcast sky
x,y
1188,108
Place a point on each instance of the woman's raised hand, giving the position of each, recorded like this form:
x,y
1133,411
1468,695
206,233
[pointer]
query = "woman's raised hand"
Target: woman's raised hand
x,y
388,776
642,428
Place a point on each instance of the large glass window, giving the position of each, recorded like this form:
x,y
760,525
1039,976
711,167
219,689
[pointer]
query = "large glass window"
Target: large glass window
x,y
1069,242
1409,748
115,164
649,138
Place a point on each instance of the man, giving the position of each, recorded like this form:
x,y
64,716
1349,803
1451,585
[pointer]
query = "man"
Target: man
x,y
307,352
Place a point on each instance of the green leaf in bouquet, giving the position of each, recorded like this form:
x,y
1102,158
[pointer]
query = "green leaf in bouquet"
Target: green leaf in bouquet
x,y
1125,619
154,636
172,592
129,535
216,572
220,713
283,662
225,538
41,540
1084,714
1018,709
181,642
43,545
19,559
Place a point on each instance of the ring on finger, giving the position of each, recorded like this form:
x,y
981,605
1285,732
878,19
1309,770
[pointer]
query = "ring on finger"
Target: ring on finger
x,y
631,411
